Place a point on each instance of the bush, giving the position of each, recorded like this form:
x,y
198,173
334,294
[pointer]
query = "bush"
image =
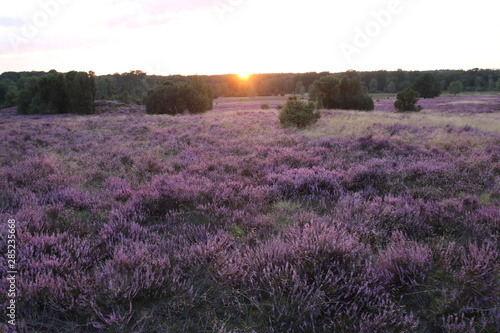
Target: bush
x,y
297,113
428,86
73,92
170,98
406,101
455,87
345,93
264,106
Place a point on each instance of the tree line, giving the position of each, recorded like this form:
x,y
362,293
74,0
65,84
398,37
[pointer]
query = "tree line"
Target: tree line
x,y
48,93
53,92
72,92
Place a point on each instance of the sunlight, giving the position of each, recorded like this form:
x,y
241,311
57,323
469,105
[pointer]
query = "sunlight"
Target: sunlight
x,y
244,76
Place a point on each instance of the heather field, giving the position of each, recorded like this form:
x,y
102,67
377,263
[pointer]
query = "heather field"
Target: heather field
x,y
226,222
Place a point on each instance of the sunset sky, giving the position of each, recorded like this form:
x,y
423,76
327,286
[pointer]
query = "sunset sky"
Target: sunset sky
x,y
247,36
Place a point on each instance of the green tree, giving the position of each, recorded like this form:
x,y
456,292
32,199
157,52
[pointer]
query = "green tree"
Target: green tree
x,y
10,98
170,98
57,93
125,97
455,87
299,88
373,86
391,87
498,84
428,86
407,100
326,91
346,93
164,99
80,92
479,83
27,95
4,88
199,95
299,114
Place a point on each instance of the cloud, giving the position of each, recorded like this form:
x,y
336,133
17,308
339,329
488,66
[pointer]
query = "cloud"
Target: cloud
x,y
152,12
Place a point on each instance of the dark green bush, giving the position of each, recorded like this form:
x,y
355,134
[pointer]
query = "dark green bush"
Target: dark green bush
x,y
428,86
346,93
406,101
299,114
170,98
264,106
73,92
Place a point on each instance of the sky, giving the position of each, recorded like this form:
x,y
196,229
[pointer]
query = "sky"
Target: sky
x,y
248,36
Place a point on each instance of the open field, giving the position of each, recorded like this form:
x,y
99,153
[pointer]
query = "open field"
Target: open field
x,y
226,222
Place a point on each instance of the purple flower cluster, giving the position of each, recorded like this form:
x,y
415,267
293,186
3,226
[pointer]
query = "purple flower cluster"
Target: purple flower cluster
x,y
451,105
228,222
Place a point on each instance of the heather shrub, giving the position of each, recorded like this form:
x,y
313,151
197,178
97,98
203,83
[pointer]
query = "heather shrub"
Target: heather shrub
x,y
468,277
316,276
299,114
129,223
40,175
375,219
307,184
404,264
406,100
368,180
479,276
265,107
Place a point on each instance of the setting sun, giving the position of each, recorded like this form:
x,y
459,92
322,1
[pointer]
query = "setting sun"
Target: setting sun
x,y
244,76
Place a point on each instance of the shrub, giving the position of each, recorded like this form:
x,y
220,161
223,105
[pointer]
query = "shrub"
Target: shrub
x,y
307,184
170,98
455,87
297,113
406,101
72,92
345,93
264,106
428,86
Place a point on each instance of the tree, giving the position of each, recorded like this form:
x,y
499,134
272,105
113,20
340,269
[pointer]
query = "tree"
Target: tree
x,y
491,84
455,87
44,95
299,88
164,99
479,83
326,91
498,84
199,96
346,93
299,114
391,87
373,86
171,98
80,92
428,86
57,93
406,101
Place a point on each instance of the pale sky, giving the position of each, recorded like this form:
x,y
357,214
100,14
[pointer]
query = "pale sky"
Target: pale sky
x,y
248,36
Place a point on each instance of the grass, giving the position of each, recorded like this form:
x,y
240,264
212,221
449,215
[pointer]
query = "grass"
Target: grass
x,y
350,124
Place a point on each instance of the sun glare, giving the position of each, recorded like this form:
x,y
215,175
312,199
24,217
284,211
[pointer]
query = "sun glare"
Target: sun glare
x,y
244,76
